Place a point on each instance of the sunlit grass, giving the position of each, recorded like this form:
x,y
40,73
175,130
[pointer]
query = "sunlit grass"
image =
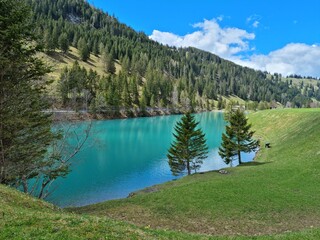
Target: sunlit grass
x,y
275,194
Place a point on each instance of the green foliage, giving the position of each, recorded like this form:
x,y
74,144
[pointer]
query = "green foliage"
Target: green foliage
x,y
25,129
32,155
83,49
189,149
108,63
48,41
64,43
237,138
77,87
227,151
175,76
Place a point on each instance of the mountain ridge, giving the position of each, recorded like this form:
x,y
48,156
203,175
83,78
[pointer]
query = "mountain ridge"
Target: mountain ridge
x,y
152,75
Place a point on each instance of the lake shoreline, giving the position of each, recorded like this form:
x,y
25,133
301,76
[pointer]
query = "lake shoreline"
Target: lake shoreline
x,y
61,115
157,187
146,141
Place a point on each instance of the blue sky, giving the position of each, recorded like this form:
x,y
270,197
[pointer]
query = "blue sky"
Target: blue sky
x,y
276,36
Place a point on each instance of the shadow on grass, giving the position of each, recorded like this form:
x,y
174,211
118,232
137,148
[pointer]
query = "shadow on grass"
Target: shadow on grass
x,y
72,56
89,62
56,56
249,164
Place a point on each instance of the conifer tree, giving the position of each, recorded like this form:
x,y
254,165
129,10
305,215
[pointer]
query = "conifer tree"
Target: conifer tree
x,y
189,149
237,138
84,50
126,97
227,150
108,63
55,37
64,43
25,129
48,41
134,90
143,103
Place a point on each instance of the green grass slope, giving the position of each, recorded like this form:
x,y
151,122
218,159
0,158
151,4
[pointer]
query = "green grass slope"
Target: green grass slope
x,y
276,197
276,194
23,217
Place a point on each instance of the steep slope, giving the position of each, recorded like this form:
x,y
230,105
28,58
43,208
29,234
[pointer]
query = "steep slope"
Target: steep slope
x,y
24,217
152,74
276,193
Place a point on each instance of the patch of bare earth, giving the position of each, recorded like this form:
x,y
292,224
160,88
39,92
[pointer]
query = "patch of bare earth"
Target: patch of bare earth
x,y
248,226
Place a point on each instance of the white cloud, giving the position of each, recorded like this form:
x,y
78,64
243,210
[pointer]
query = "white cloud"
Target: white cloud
x,y
255,24
220,18
224,42
234,43
294,58
254,20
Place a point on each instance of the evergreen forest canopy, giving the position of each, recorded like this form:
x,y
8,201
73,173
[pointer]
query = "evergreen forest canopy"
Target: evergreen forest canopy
x,y
32,153
151,75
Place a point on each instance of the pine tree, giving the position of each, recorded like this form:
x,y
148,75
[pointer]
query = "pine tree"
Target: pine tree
x,y
237,138
220,103
134,90
64,85
143,104
48,41
108,63
84,50
64,43
55,37
126,97
226,151
189,149
25,129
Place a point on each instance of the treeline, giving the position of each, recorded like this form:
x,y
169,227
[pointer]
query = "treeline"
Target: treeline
x,y
307,89
301,77
152,75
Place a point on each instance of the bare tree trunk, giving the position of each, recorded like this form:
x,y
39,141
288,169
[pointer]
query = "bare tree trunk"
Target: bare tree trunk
x,y
188,167
2,161
239,157
24,184
43,186
239,153
67,153
2,157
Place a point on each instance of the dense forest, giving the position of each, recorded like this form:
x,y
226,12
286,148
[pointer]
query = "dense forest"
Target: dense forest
x,y
151,75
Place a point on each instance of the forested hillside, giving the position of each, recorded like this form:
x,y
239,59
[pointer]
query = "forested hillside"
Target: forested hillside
x,y
151,75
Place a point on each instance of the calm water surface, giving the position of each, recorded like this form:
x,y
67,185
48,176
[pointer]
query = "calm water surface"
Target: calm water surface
x,y
126,155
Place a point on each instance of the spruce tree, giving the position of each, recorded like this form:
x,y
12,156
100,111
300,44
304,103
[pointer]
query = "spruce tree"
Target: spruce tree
x,y
48,41
64,43
109,65
84,50
237,138
25,129
227,150
189,149
55,37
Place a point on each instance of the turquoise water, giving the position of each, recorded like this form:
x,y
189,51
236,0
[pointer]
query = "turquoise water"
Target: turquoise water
x,y
126,155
